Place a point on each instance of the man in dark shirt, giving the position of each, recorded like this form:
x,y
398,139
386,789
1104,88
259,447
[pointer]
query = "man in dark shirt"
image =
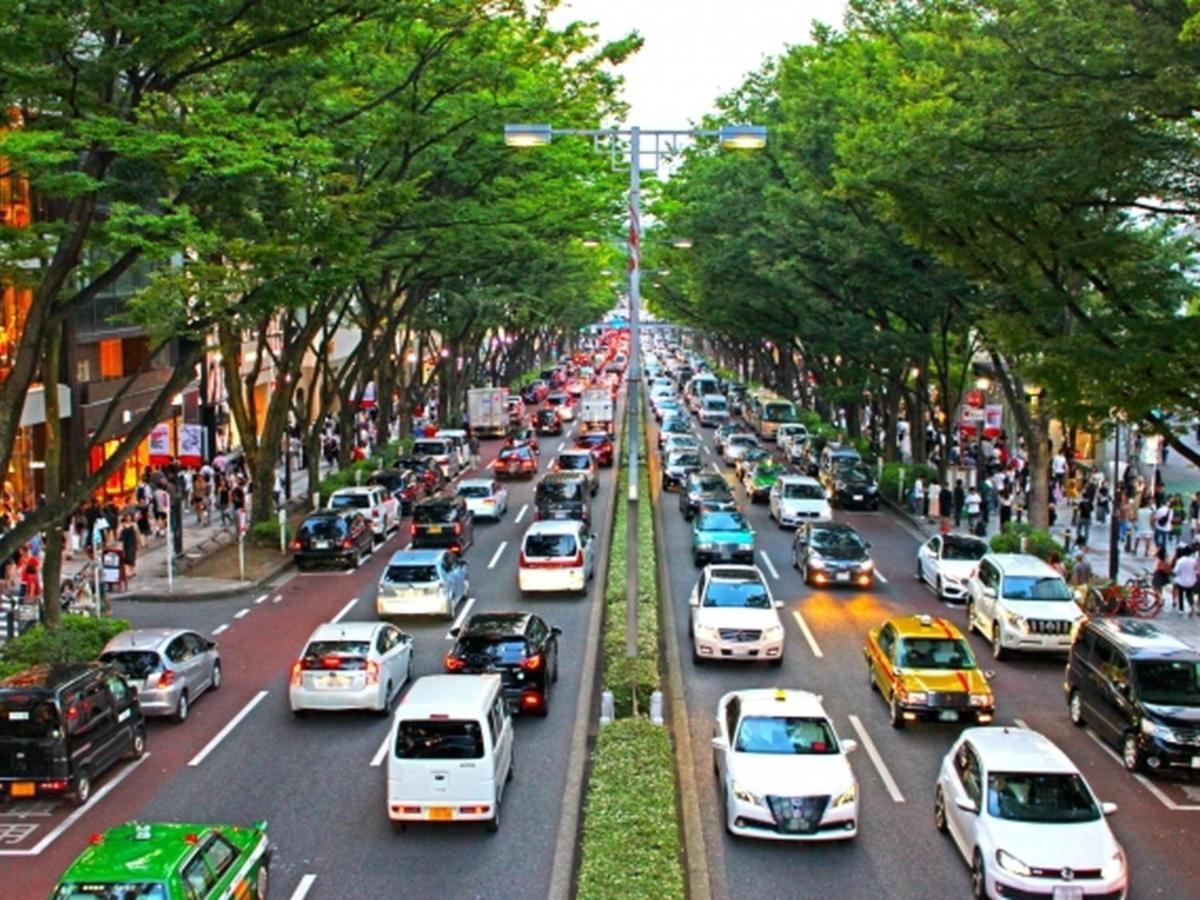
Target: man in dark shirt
x,y
960,500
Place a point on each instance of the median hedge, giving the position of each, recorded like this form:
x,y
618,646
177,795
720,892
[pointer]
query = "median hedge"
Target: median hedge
x,y
76,639
631,838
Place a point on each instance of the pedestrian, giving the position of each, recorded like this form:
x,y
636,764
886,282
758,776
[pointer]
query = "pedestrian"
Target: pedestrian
x,y
918,496
1103,502
974,504
1143,529
1184,575
1006,507
237,501
1083,525
1163,570
31,577
129,545
1058,468
1054,561
1081,571
222,495
1162,524
945,506
473,447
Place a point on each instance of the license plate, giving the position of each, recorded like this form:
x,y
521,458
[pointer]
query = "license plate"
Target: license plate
x,y
320,545
1067,893
858,497
1196,762
948,715
435,529
23,789
441,813
843,576
334,681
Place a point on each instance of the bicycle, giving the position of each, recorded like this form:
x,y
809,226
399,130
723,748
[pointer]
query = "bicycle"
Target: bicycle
x,y
1137,597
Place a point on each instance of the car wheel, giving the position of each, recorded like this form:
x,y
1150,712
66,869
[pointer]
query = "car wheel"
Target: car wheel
x,y
1075,709
554,671
871,683
939,588
262,882
544,709
493,824
182,708
696,656
387,702
896,713
807,579
697,560
775,662
408,672
978,877
216,677
1131,753
299,713
920,576
81,792
998,651
939,811
138,747
970,616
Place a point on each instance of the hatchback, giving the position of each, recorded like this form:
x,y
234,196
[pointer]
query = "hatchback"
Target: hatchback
x,y
579,462
169,667
377,505
486,499
556,556
443,522
351,665
519,646
423,582
600,444
332,536
514,461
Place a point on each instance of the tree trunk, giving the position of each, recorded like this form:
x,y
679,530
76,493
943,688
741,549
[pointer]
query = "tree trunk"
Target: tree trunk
x,y
891,405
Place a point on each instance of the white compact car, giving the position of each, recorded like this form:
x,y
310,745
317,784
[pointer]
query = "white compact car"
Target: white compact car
x,y
782,771
351,665
797,498
792,438
556,555
734,616
1019,603
736,445
376,504
486,498
1025,819
946,562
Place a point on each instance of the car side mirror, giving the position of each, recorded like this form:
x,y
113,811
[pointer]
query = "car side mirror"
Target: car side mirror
x,y
554,629
779,604
849,745
867,544
1108,807
753,532
989,592
694,600
966,804
719,743
454,632
210,645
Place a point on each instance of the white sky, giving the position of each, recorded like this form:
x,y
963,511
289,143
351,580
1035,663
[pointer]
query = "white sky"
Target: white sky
x,y
695,50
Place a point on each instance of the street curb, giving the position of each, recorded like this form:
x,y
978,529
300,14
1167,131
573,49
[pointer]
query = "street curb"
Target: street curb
x,y
906,520
225,594
566,844
696,859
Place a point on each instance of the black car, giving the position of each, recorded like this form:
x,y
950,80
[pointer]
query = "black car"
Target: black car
x,y
341,537
547,421
519,646
702,486
427,468
1139,689
443,522
563,496
63,726
678,465
855,487
830,553
406,485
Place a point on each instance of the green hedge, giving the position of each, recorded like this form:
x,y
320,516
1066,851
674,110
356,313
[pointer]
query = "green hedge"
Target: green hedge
x,y
889,482
631,840
1037,541
76,639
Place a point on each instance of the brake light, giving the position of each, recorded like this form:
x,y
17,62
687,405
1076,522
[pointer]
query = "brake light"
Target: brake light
x,y
531,700
167,678
533,663
458,527
372,672
347,544
453,663
523,560
296,545
297,669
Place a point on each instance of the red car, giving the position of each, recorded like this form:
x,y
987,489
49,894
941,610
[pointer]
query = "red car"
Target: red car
x,y
514,461
600,444
523,437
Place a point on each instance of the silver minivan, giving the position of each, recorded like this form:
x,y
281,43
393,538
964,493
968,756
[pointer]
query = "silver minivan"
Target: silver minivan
x,y
170,667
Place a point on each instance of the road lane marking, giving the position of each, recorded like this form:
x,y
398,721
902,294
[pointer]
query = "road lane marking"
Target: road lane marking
x,y
521,514
259,600
75,816
229,726
877,760
278,598
561,445
220,629
345,609
377,759
716,471
808,635
770,565
879,575
303,887
242,613
496,555
460,618
1142,779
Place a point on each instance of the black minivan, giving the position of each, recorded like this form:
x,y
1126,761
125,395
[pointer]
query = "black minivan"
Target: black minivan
x,y
62,726
563,496
1139,689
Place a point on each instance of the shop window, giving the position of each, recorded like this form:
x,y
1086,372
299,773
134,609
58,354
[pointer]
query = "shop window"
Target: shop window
x,y
123,482
112,364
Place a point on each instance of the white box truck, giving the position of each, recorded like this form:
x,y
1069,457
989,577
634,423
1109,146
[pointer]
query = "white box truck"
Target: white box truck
x,y
487,411
596,410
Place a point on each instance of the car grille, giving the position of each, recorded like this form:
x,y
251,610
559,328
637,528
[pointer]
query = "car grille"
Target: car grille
x,y
797,815
740,635
1049,626
1076,874
1188,737
948,699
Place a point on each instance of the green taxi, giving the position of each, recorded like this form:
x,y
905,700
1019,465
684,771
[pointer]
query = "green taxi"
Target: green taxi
x,y
761,479
722,535
170,861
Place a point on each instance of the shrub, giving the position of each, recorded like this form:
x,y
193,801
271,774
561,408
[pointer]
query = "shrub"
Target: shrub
x,y
889,482
76,639
631,841
264,534
811,420
1038,541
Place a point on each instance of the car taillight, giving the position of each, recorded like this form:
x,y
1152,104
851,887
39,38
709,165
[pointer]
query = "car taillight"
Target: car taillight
x,y
167,678
577,560
458,527
331,662
348,543
297,669
296,545
522,559
453,663
532,663
527,464
409,491
372,672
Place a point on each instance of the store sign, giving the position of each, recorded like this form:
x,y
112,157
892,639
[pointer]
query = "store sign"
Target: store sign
x,y
160,440
191,442
993,417
972,414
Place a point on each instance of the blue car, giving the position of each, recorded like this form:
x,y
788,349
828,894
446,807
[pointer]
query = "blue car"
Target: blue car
x,y
723,536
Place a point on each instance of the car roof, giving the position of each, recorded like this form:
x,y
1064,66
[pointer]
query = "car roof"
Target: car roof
x,y
497,624
1142,640
924,627
327,513
120,852
1008,749
448,695
416,557
144,638
1020,564
580,453
735,573
799,479
347,631
354,491
476,482
780,702
554,526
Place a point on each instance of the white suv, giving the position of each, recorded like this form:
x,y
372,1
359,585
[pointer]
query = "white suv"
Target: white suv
x,y
1025,819
378,506
1019,603
734,616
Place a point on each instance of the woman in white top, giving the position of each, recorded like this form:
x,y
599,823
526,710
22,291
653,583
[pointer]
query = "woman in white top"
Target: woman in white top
x,y
1143,529
1185,580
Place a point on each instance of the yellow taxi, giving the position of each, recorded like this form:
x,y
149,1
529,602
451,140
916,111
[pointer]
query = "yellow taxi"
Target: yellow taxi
x,y
924,668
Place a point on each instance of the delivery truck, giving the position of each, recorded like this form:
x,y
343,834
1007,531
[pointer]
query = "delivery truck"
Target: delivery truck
x,y
487,411
596,410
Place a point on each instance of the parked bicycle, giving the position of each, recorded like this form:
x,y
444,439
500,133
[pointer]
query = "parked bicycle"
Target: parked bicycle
x,y
1137,597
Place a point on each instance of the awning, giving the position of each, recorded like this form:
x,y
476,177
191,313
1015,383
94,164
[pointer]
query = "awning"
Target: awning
x,y
34,410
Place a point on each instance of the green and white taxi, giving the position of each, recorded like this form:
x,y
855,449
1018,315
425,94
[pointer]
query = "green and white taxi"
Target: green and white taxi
x,y
171,861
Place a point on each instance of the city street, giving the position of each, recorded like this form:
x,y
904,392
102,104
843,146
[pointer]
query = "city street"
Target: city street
x,y
319,781
897,852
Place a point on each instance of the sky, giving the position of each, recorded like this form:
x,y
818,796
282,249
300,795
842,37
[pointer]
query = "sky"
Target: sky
x,y
695,50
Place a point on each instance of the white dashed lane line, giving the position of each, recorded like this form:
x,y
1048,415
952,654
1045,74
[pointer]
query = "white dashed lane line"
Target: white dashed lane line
x,y
460,618
770,565
278,598
869,745
377,759
496,555
521,514
808,635
242,613
303,887
224,732
879,575
220,629
259,600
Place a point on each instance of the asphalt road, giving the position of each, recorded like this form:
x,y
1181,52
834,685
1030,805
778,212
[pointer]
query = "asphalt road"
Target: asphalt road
x,y
320,781
897,852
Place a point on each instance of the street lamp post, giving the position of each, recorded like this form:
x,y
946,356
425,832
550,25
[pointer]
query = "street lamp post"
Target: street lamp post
x,y
1114,524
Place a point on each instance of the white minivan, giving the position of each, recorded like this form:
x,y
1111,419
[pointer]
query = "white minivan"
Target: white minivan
x,y
451,752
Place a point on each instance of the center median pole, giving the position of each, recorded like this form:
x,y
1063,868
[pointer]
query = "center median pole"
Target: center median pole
x,y
634,378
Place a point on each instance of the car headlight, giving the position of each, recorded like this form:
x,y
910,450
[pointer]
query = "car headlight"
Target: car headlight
x,y
1162,732
707,631
840,485
872,488
849,795
917,697
1017,622
772,632
815,562
867,565
1010,863
981,700
1114,867
747,796
706,545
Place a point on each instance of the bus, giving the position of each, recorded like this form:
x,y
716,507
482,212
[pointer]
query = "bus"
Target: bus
x,y
767,411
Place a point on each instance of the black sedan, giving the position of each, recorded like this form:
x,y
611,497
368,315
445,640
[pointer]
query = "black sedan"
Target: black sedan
x,y
832,553
443,522
548,422
703,487
519,646
855,487
340,537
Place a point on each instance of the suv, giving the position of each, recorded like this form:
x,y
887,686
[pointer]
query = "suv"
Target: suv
x,y
61,726
518,646
332,536
376,504
734,616
796,498
443,522
423,582
563,496
441,450
580,462
1019,603
1139,688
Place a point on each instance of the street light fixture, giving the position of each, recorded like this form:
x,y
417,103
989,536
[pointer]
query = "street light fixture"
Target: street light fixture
x,y
590,242
743,137
527,135
682,243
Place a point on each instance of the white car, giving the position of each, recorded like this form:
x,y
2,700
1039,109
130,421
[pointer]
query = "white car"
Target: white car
x,y
734,616
557,555
791,435
486,498
945,562
351,665
782,771
376,503
797,498
736,445
1025,819
714,410
1019,603
680,442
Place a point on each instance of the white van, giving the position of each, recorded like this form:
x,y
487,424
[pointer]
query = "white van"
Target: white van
x,y
556,555
451,752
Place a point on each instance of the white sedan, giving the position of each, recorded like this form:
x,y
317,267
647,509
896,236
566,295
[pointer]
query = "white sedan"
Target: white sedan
x,y
946,562
486,498
782,771
351,665
736,445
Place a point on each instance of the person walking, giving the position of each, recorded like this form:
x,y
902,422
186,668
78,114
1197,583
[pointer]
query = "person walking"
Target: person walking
x,y
128,535
473,447
1184,574
1163,570
960,502
1081,569
974,504
1162,525
1083,511
945,506
918,496
1143,529
1006,506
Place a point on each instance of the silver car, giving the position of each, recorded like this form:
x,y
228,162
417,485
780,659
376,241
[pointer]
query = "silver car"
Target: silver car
x,y
351,665
423,583
170,667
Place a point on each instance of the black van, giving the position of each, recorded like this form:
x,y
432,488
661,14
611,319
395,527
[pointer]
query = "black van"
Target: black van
x,y
563,496
62,726
1139,689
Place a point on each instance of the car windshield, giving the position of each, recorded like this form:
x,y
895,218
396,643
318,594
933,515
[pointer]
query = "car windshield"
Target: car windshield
x,y
1036,587
133,663
803,491
768,471
963,548
736,595
474,490
408,573
741,440
684,459
558,490
111,890
434,512
26,715
574,461
1169,682
1040,797
318,649
715,404
505,651
710,484
349,501
722,521
854,472
430,448
779,412
934,653
439,739
785,735
517,453
550,545
836,539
